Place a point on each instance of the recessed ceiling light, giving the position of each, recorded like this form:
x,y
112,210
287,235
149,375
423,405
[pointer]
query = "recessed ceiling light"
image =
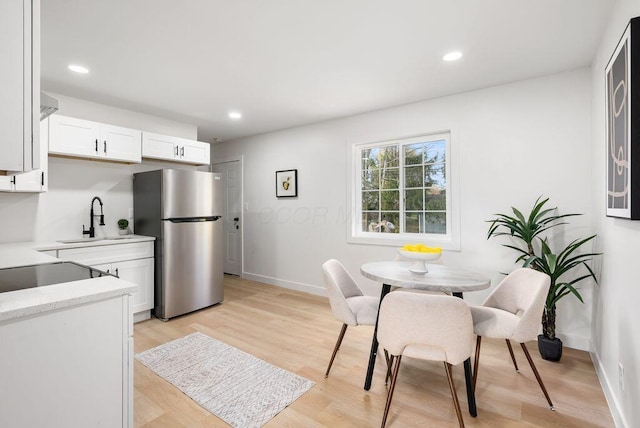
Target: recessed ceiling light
x,y
452,56
78,69
235,115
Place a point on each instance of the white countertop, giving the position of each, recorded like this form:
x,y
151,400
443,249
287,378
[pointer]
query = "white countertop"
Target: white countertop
x,y
21,303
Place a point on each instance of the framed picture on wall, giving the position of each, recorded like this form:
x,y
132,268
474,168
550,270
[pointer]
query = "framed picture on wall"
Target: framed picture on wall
x,y
287,183
623,125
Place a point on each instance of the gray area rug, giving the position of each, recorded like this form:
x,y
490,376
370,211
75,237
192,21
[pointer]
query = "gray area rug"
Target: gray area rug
x,y
239,388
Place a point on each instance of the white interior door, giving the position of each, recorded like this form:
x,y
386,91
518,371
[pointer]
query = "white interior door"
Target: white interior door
x,y
232,225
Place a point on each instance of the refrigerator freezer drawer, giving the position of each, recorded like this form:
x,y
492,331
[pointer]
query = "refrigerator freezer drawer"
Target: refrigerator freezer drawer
x,y
191,267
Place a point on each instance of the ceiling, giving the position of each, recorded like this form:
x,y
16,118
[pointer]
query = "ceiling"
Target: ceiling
x,y
285,63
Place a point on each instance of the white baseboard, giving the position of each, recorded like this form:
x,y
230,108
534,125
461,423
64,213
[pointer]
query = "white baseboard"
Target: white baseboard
x,y
614,406
291,285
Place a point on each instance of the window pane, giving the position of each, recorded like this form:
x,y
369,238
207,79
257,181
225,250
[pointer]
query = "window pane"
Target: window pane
x,y
371,179
390,200
435,223
413,200
435,151
412,222
370,201
392,222
389,179
369,218
380,157
389,157
370,158
435,175
413,176
413,154
435,199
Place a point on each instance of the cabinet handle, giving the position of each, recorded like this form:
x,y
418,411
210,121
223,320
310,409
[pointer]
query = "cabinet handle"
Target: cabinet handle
x,y
96,145
42,179
13,180
182,151
105,146
117,273
176,150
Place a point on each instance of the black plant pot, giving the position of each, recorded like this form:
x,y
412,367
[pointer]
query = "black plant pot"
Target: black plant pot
x,y
550,349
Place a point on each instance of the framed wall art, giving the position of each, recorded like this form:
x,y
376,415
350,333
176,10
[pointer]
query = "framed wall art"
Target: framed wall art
x,y
287,183
623,125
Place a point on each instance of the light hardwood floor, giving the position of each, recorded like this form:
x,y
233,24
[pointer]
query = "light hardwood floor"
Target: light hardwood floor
x,y
297,332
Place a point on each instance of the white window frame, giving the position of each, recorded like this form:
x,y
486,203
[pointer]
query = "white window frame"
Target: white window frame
x,y
355,233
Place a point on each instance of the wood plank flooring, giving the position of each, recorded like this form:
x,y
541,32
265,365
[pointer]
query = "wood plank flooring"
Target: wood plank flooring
x,y
296,331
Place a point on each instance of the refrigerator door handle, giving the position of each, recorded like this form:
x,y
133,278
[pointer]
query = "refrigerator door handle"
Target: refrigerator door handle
x,y
193,219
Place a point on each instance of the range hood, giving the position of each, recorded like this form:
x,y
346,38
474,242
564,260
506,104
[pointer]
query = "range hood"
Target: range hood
x,y
48,106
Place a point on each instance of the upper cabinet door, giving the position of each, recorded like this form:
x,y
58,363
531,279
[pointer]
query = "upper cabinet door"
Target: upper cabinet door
x,y
74,137
195,152
36,180
157,146
19,84
86,139
121,144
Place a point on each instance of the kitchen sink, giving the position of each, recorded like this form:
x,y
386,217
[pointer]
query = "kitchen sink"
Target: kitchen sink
x,y
82,240
77,241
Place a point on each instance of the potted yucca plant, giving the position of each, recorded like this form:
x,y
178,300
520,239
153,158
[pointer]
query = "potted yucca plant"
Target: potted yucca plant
x,y
560,266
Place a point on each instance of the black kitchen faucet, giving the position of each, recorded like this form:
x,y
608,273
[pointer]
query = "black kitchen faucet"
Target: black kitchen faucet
x,y
92,230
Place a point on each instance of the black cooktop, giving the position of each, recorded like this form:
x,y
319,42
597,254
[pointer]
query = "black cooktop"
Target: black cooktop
x,y
22,277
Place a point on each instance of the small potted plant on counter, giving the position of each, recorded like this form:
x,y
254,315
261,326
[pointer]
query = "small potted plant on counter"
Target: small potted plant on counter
x,y
123,226
538,255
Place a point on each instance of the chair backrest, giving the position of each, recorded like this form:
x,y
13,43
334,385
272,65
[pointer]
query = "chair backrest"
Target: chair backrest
x,y
523,293
340,285
431,327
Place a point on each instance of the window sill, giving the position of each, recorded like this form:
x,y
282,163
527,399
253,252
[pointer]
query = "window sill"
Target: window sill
x,y
397,240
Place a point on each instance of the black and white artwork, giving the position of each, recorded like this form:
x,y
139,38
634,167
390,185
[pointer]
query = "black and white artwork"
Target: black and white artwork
x,y
623,146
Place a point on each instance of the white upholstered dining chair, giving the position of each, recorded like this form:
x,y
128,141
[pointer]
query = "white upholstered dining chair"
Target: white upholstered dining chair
x,y
512,312
348,304
427,327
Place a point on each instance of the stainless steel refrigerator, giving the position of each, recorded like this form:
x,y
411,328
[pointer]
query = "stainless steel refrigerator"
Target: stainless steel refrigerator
x,y
182,210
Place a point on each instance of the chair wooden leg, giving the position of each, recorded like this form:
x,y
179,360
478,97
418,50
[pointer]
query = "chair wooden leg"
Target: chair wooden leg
x,y
454,395
476,361
394,378
335,349
535,372
513,357
389,360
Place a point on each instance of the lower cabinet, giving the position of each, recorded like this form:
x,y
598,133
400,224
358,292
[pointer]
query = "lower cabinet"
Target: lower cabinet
x,y
139,272
132,262
69,367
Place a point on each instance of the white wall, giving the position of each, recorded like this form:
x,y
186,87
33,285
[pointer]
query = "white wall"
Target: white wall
x,y
516,142
616,317
61,212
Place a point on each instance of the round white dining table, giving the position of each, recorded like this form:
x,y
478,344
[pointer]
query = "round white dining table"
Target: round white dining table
x,y
438,278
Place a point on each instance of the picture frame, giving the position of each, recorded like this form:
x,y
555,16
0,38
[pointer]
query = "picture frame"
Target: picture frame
x,y
287,183
623,125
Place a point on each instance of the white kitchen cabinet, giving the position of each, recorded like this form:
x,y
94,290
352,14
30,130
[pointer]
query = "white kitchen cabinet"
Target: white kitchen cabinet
x,y
32,181
175,149
132,262
69,367
195,152
69,136
19,85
